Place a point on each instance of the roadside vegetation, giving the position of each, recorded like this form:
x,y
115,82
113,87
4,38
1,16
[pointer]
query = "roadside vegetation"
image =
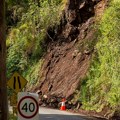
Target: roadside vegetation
x,y
28,22
12,117
101,88
27,30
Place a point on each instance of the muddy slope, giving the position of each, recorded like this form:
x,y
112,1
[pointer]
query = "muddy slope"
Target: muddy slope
x,y
69,52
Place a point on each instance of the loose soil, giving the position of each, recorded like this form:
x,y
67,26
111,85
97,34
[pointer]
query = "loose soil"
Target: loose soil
x,y
69,53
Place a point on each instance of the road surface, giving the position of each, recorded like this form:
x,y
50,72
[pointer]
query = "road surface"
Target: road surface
x,y
52,114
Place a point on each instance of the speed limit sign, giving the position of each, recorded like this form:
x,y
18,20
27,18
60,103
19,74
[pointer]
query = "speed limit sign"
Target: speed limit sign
x,y
28,106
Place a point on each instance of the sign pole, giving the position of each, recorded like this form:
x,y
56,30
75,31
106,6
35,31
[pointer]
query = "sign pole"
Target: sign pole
x,y
3,82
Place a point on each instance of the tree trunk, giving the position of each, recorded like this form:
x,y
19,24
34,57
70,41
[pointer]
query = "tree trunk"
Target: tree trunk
x,y
3,85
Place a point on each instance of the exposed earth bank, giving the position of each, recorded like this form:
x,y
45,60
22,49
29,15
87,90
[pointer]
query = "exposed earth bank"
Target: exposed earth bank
x,y
69,51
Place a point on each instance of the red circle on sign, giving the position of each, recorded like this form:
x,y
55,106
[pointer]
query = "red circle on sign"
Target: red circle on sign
x,y
26,97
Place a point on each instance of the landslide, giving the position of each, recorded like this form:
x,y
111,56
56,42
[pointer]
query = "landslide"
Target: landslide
x,y
69,51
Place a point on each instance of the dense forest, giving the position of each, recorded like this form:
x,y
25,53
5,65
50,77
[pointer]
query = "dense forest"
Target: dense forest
x,y
36,27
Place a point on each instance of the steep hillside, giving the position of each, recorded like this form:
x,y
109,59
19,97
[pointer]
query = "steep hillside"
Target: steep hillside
x,y
69,52
68,49
68,60
68,56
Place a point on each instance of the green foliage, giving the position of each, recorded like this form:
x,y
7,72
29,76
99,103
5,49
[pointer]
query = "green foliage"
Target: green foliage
x,y
12,117
101,88
25,41
14,11
33,73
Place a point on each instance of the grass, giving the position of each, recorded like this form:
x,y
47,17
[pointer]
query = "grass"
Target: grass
x,y
100,88
12,117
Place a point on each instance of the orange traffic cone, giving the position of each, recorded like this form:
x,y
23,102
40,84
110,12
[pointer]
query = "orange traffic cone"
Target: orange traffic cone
x,y
63,107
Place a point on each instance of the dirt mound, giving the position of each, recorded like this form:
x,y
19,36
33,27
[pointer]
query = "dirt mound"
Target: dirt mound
x,y
69,52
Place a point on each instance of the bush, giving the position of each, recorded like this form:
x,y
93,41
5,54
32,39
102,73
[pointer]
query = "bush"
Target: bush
x,y
101,87
25,41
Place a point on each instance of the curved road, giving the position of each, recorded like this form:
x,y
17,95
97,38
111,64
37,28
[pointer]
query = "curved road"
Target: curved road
x,y
52,114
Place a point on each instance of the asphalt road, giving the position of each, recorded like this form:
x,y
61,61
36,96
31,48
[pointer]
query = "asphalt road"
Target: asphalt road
x,y
52,114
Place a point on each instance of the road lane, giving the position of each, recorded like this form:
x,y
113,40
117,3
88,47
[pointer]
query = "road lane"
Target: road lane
x,y
52,114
